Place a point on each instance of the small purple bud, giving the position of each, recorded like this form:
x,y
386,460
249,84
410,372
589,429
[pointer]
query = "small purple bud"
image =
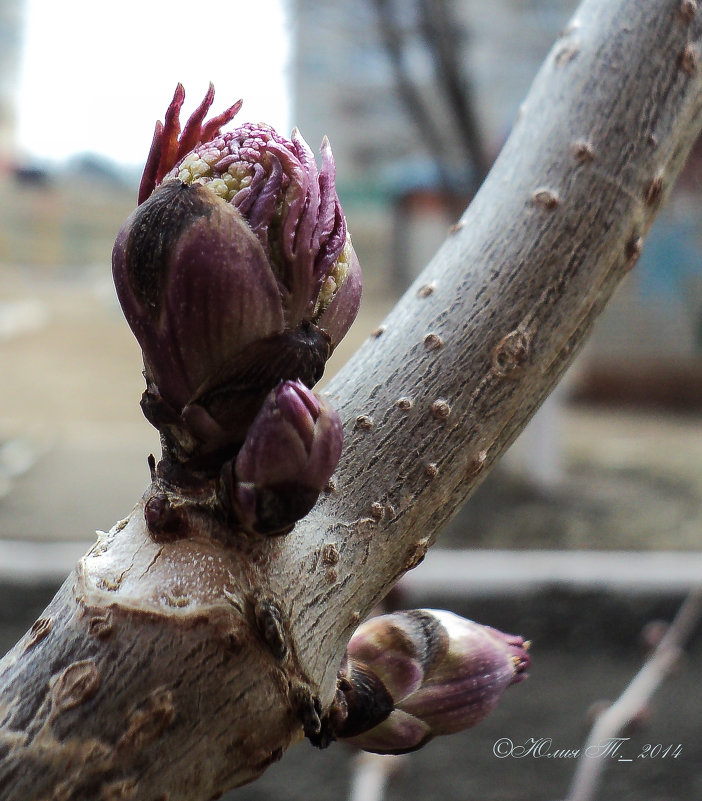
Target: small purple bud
x,y
289,454
443,672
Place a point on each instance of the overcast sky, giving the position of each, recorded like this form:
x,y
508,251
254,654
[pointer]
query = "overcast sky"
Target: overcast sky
x,y
95,77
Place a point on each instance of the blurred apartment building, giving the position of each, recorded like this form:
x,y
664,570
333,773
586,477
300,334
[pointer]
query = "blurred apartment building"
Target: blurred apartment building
x,y
344,85
648,344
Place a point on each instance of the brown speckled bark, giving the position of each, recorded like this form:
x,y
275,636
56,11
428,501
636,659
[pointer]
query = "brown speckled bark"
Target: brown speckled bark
x,y
173,671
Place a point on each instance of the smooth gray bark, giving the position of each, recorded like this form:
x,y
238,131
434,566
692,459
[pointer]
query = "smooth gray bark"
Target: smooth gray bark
x,y
176,671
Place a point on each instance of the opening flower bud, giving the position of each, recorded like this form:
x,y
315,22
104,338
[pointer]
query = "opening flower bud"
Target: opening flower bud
x,y
290,452
292,207
235,272
444,674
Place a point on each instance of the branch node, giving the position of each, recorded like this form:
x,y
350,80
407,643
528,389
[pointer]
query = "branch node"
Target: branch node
x,y
330,554
633,250
405,404
582,151
416,554
433,341
100,624
269,621
688,61
654,190
77,683
511,353
364,422
476,464
566,54
687,10
425,291
545,198
308,708
440,409
39,630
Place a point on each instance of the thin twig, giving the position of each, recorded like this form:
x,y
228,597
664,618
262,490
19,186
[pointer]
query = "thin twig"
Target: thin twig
x,y
440,30
410,96
642,687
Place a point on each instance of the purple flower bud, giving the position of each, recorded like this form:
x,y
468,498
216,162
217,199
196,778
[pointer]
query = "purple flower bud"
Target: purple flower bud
x,y
444,674
235,273
290,204
290,452
195,287
169,145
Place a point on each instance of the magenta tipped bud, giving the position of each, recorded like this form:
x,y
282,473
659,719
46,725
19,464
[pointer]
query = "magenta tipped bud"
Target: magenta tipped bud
x,y
444,674
235,273
291,205
290,452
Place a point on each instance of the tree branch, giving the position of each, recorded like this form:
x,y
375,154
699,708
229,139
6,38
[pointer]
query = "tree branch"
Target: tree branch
x,y
178,670
634,698
441,35
410,96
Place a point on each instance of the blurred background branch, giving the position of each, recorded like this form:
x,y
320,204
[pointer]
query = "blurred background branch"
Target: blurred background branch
x,y
633,701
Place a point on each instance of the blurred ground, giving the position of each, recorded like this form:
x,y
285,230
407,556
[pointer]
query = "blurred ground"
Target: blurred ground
x,y
73,442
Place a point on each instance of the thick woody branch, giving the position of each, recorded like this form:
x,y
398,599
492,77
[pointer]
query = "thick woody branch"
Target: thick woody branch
x,y
177,670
